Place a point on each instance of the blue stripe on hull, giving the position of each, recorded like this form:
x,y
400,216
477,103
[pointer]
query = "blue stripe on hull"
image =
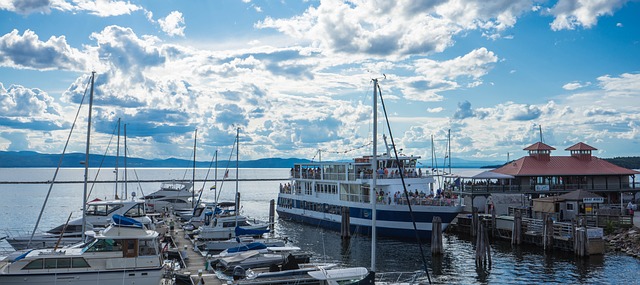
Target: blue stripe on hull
x,y
365,230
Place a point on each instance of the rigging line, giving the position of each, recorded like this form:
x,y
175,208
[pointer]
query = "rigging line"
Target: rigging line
x,y
55,174
104,156
126,149
226,172
395,151
186,170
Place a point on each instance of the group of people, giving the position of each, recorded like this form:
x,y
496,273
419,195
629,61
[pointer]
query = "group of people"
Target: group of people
x,y
385,173
415,198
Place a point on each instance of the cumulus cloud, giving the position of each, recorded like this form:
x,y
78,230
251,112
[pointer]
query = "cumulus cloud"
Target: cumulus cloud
x,y
173,24
27,51
100,8
396,28
31,109
570,14
438,76
26,7
464,111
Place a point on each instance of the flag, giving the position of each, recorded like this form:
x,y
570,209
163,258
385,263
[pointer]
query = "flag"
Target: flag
x,y
457,181
212,187
226,174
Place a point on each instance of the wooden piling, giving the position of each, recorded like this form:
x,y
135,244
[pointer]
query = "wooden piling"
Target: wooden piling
x,y
581,239
436,236
345,231
483,249
238,202
493,221
547,236
474,221
272,214
516,233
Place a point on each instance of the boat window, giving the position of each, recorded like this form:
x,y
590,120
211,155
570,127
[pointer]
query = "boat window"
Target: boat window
x,y
146,247
79,262
135,211
36,264
49,263
64,262
102,245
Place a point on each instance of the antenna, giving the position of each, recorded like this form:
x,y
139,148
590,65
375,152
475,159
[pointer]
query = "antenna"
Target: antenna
x,y
540,130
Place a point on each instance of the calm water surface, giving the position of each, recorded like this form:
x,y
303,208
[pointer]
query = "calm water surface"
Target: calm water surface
x,y
20,205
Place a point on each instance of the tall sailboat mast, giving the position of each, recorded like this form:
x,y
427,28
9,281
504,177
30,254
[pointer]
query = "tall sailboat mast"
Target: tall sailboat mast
x,y
237,173
374,167
117,158
193,175
86,159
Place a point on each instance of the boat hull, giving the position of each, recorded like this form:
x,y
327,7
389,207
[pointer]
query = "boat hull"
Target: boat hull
x,y
390,221
137,277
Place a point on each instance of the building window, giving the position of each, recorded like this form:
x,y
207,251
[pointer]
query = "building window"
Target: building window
x,y
569,207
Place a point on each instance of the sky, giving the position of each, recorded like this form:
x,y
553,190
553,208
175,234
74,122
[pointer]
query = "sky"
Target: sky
x,y
295,77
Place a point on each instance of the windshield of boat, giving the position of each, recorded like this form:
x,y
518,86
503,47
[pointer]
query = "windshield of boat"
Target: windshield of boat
x,y
102,209
102,245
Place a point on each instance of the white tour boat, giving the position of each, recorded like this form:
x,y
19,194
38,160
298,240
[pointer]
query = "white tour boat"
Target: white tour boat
x,y
320,193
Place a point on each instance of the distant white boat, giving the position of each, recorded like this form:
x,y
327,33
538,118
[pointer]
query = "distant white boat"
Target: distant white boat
x,y
172,195
123,251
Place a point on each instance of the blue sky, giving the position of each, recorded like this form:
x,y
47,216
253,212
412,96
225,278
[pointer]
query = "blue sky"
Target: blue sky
x,y
295,76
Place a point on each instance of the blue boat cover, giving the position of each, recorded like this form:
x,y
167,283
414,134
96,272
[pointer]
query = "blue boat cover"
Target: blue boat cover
x,y
125,221
249,232
250,246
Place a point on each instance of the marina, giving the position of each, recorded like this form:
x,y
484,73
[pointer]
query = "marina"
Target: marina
x,y
455,266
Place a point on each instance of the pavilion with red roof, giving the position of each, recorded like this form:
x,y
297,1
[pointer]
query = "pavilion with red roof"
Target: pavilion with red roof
x,y
541,172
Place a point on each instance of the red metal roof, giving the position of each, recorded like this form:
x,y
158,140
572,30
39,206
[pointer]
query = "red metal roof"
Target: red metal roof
x,y
581,146
562,165
539,146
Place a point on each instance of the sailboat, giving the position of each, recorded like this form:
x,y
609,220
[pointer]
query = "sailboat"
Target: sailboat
x,y
124,250
222,226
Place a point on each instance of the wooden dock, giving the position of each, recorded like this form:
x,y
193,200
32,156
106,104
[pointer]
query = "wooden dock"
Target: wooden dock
x,y
193,260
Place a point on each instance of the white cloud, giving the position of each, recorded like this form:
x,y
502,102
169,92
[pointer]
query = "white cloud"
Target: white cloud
x,y
396,28
173,24
435,110
575,85
570,14
27,51
26,7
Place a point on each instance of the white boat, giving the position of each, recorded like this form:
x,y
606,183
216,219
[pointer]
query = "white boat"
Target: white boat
x,y
98,215
319,192
123,253
224,227
172,195
214,246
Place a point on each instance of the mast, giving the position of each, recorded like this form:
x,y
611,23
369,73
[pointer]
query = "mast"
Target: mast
x,y
126,179
117,157
449,148
374,167
193,175
86,159
237,173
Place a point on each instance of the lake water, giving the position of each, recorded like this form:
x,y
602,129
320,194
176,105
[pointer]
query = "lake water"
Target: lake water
x,y
20,205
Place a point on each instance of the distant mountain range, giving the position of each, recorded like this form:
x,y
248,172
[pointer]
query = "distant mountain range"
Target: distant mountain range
x,y
35,159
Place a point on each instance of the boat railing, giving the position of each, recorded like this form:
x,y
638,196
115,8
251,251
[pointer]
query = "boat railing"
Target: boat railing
x,y
414,277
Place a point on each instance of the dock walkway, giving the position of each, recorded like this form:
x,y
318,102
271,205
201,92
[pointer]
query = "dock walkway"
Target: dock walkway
x,y
194,261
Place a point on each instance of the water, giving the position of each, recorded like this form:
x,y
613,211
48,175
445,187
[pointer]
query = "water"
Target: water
x,y
20,205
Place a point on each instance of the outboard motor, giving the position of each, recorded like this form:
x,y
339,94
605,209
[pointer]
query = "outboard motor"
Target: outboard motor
x,y
238,273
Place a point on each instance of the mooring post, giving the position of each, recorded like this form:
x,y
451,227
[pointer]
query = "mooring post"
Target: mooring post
x,y
516,233
272,214
548,232
436,236
474,222
345,231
